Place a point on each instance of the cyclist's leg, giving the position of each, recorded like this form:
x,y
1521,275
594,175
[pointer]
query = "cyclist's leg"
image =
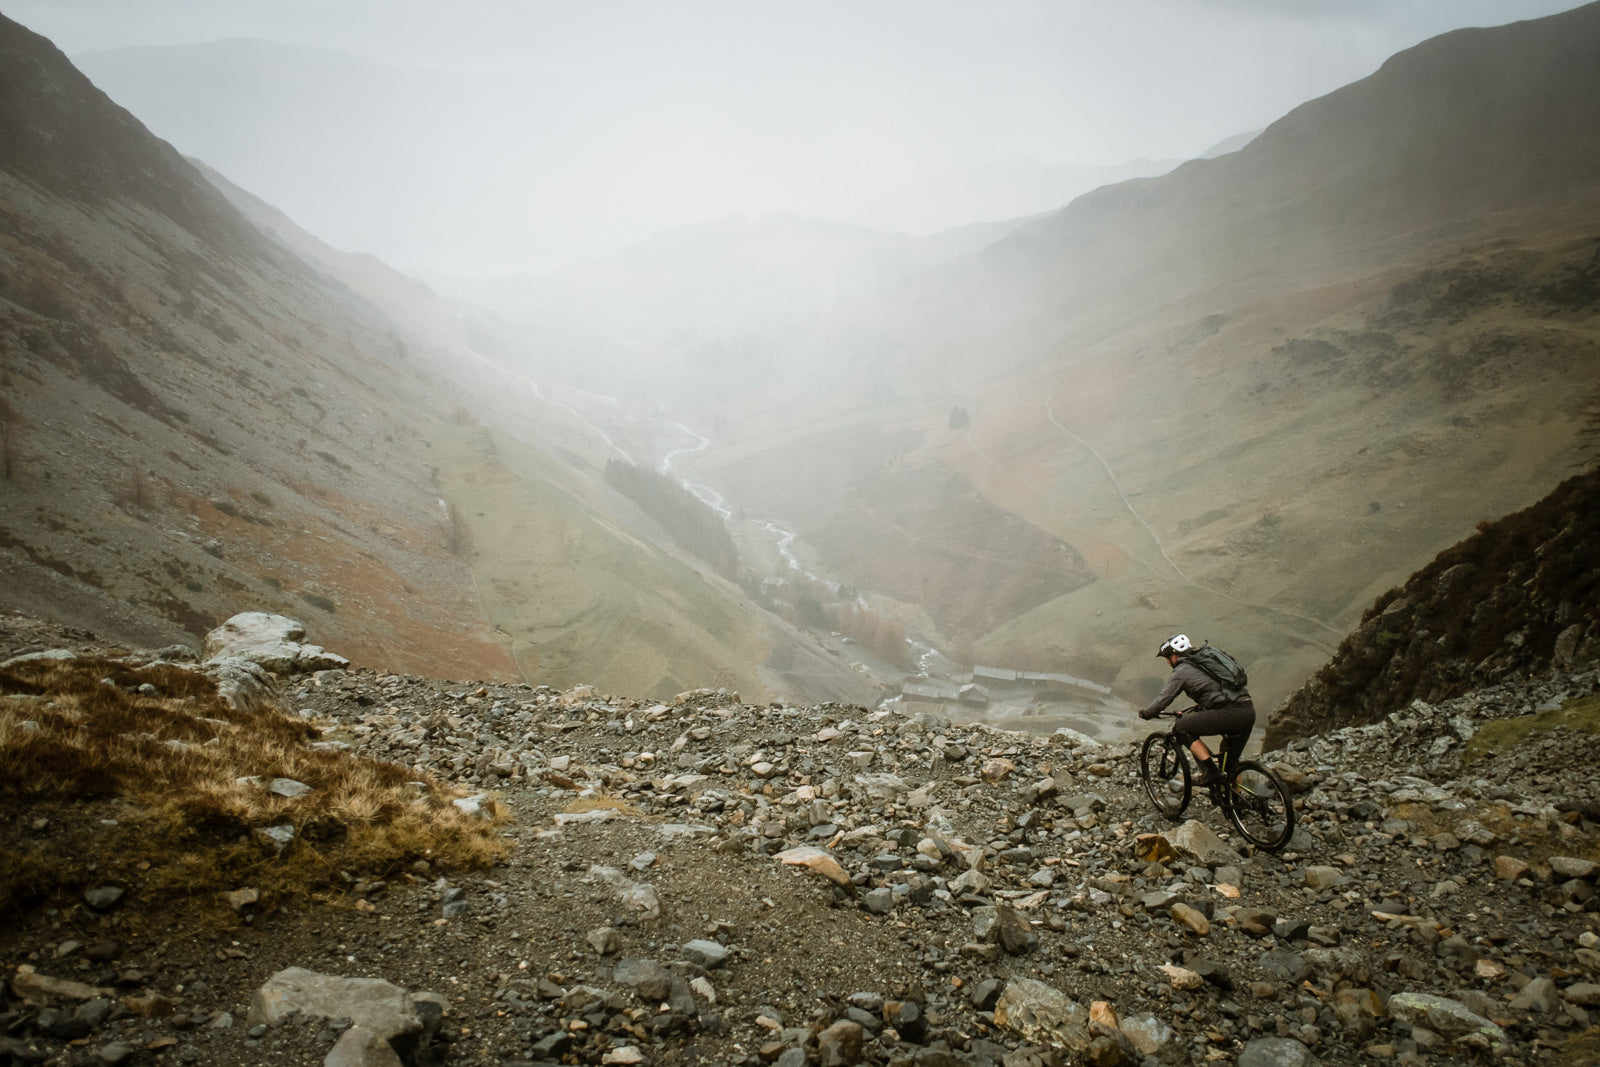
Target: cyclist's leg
x,y
1233,722
1233,743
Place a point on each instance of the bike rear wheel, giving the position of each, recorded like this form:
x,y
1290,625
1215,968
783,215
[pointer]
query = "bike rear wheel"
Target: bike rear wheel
x,y
1258,805
1165,770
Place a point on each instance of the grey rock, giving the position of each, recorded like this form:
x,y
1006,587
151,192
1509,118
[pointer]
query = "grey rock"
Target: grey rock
x,y
96,1012
242,684
379,1006
879,901
1571,867
866,1001
680,997
1538,995
605,940
1584,994
277,838
552,1046
707,954
1448,1018
882,786
1194,840
361,1047
984,994
1323,877
1043,1014
635,895
1016,935
115,1052
1149,1034
54,654
1282,963
273,641
1276,1052
103,897
646,977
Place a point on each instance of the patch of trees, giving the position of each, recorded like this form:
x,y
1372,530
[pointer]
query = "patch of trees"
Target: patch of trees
x,y
693,526
814,606
882,635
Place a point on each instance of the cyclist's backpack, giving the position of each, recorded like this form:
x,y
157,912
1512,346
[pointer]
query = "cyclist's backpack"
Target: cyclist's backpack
x,y
1222,668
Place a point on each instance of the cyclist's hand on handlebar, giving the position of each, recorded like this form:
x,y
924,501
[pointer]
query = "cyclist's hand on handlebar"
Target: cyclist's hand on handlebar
x,y
1146,713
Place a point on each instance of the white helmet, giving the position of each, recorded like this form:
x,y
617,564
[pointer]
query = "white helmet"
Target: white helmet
x,y
1178,643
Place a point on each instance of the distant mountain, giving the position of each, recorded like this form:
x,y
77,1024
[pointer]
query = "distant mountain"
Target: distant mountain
x,y
1229,144
1251,393
1005,190
666,302
204,410
1473,133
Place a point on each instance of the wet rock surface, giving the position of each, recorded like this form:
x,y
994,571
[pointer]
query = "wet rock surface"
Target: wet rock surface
x,y
705,881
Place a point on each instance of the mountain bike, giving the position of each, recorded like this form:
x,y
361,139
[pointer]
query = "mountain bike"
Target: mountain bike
x,y
1252,797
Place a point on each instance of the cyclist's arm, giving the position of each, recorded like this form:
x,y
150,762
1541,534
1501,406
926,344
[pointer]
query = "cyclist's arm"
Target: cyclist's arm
x,y
1168,695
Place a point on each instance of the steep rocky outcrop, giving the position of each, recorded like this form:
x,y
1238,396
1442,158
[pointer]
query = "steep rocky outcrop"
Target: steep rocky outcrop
x,y
1517,599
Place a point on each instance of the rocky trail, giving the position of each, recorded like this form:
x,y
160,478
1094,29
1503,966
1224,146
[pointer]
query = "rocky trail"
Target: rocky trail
x,y
705,881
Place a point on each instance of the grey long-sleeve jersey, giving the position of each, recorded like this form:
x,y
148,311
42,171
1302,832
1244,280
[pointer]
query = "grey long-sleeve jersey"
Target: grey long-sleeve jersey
x,y
1187,678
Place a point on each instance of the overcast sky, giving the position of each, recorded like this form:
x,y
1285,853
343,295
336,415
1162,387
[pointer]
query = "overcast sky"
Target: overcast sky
x,y
602,120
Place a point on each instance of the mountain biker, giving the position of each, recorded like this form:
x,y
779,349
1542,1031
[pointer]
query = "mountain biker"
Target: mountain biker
x,y
1213,712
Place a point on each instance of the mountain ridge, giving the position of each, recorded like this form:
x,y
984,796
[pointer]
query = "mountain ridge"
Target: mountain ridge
x,y
1240,387
196,409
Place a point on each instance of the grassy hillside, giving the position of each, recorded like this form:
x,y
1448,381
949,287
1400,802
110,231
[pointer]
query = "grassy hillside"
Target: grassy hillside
x,y
586,599
1250,394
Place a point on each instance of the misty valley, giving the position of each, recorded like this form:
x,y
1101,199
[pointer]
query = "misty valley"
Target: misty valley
x,y
726,645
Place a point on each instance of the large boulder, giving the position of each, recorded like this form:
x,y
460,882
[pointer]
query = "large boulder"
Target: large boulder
x,y
242,684
387,1020
273,641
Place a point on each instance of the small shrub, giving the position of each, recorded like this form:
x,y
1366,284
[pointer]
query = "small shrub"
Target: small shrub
x,y
317,600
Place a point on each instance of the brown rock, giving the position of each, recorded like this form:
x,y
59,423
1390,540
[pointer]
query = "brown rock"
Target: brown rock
x,y
1181,977
1153,848
30,983
154,1006
840,1044
1510,868
1191,919
821,861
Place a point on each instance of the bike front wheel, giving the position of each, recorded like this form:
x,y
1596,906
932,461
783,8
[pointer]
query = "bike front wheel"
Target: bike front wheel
x,y
1258,805
1165,770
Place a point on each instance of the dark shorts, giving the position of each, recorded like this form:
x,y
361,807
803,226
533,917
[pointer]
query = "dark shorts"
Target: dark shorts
x,y
1233,722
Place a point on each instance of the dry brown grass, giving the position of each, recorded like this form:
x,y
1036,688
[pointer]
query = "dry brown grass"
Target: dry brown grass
x,y
162,790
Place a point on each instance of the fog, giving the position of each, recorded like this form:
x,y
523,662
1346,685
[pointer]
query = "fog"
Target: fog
x,y
481,138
